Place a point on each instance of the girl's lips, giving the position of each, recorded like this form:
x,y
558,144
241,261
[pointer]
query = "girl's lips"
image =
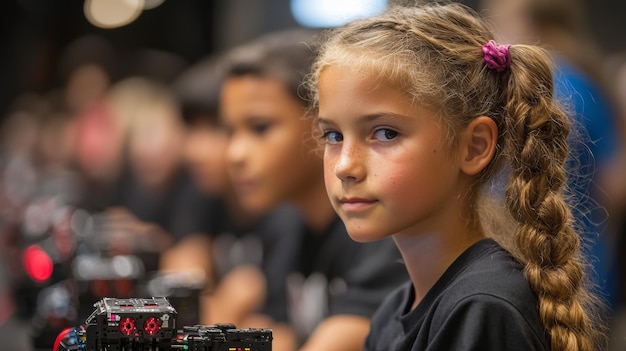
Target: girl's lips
x,y
355,204
344,200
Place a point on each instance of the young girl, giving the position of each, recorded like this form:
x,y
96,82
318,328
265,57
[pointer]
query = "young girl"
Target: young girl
x,y
420,109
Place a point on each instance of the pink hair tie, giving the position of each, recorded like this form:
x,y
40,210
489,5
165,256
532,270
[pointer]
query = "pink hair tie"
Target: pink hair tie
x,y
496,56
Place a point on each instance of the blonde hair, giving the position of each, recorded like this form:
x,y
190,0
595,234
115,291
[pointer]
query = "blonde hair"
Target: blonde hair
x,y
433,53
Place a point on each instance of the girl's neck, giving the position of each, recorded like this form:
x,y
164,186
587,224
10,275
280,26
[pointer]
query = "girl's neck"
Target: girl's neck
x,y
427,255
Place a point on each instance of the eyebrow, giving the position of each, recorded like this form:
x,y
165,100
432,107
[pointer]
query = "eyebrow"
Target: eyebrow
x,y
322,120
367,118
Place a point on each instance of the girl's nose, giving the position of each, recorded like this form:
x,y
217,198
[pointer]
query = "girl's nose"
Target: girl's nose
x,y
350,165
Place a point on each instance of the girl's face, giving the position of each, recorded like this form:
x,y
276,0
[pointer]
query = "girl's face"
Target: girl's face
x,y
387,166
270,152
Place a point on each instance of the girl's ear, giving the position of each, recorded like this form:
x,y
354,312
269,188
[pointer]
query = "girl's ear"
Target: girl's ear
x,y
478,145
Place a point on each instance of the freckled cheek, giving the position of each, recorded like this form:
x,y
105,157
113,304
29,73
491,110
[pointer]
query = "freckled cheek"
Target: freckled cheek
x,y
398,185
392,182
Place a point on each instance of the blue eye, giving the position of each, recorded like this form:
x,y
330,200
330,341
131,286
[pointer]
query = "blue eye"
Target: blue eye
x,y
385,134
332,137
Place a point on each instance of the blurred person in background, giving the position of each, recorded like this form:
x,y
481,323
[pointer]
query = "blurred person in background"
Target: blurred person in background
x,y
320,287
239,244
100,139
582,88
216,251
87,71
157,195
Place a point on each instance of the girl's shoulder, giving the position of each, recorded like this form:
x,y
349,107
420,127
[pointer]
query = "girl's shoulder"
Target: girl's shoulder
x,y
487,288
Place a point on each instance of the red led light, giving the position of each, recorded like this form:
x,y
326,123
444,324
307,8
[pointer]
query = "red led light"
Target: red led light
x,y
152,326
37,263
127,326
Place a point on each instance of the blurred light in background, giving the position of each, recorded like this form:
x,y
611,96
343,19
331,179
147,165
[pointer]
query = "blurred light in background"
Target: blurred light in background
x,y
37,263
113,13
333,13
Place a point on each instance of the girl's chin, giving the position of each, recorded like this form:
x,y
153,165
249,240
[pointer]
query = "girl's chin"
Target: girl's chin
x,y
364,237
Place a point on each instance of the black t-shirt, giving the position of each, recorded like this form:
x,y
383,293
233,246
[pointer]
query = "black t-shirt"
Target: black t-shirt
x,y
482,302
313,276
180,210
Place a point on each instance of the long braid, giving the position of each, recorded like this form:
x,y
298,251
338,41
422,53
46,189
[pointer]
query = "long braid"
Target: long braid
x,y
547,243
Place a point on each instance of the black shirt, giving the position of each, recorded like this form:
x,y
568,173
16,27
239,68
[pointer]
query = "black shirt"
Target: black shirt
x,y
482,302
